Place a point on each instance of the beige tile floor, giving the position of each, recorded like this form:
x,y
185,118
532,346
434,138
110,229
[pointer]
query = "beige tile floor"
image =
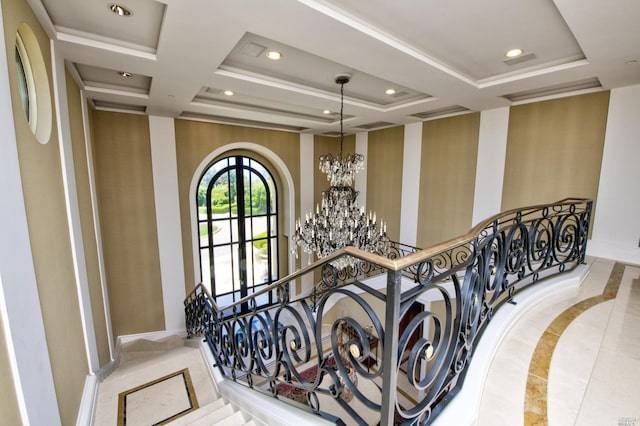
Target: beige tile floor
x,y
573,360
143,364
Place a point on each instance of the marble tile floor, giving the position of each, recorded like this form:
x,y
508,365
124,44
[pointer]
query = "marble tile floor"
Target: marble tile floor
x,y
162,382
572,360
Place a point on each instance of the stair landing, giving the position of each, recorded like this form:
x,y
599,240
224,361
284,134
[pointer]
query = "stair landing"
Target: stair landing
x,y
162,382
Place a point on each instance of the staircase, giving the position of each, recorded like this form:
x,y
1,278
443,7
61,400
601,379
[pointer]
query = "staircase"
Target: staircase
x,y
160,380
218,412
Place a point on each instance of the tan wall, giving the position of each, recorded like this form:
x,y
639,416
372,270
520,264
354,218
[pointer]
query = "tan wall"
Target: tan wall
x,y
9,410
195,141
384,177
447,178
86,220
124,181
43,189
554,150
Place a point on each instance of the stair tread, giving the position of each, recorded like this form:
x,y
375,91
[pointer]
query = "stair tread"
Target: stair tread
x,y
221,414
236,419
141,345
200,412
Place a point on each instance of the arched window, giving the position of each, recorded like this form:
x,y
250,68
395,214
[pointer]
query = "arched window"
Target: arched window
x,y
238,229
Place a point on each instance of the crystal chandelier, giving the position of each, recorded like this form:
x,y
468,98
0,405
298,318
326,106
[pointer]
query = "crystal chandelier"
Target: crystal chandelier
x,y
338,221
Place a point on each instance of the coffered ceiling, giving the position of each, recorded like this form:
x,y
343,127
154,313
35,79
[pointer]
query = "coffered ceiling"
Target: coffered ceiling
x,y
440,57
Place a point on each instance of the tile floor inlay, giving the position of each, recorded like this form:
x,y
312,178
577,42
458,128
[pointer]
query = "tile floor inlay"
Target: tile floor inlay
x,y
159,401
535,405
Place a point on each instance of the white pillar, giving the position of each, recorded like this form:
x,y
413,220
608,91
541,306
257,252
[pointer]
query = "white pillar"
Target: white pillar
x,y
360,185
73,211
616,229
411,159
492,152
165,190
307,166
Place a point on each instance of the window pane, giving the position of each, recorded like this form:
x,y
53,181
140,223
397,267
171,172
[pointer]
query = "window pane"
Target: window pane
x,y
223,195
259,227
223,269
250,264
246,175
231,232
203,233
205,268
235,267
23,88
261,261
258,196
274,258
220,231
248,229
272,196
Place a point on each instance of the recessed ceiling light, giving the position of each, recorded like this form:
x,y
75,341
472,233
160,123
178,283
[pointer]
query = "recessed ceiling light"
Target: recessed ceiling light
x,y
326,111
119,10
274,55
125,74
390,91
228,92
513,53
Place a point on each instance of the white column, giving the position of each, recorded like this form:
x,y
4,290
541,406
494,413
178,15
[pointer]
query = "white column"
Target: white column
x,y
411,158
165,190
86,123
308,165
73,211
492,151
616,229
20,302
360,185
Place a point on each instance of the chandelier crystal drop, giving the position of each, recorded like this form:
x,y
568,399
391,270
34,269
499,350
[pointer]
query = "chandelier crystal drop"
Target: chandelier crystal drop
x,y
338,221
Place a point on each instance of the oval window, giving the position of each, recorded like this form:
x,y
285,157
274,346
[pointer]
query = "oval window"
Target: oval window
x,y
33,84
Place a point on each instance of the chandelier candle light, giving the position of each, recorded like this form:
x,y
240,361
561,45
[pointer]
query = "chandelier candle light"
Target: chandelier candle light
x,y
338,221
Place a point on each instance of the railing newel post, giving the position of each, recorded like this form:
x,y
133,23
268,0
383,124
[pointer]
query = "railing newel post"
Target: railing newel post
x,y
390,348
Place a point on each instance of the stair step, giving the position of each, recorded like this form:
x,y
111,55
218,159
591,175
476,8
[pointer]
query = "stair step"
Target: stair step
x,y
200,412
236,419
221,414
250,423
142,345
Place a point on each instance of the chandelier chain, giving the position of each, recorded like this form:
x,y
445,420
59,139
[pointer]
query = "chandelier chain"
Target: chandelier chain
x,y
341,116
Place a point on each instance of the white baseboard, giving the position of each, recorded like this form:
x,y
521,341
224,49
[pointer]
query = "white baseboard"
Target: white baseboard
x,y
88,401
152,335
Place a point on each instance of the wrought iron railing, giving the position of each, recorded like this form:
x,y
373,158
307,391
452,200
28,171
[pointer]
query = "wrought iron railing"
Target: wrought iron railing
x,y
389,341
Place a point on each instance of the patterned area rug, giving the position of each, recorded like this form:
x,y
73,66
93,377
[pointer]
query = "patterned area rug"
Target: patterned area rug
x,y
299,394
